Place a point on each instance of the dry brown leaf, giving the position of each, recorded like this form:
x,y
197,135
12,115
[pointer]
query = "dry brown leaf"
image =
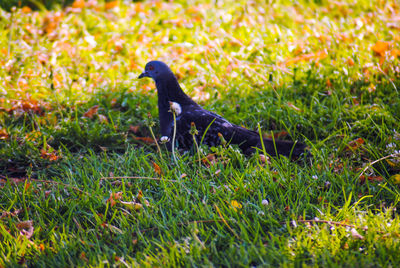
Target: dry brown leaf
x,y
114,197
291,105
52,156
91,112
319,55
134,129
3,134
209,160
371,179
10,214
355,144
25,228
277,135
147,140
132,205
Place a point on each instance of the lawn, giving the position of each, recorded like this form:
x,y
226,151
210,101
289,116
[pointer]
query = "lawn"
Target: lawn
x,y
82,182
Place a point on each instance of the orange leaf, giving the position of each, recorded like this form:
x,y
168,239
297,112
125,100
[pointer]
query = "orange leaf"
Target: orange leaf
x,y
380,48
277,135
395,52
157,168
355,144
114,197
111,5
209,160
328,83
3,134
91,112
134,129
26,9
370,178
83,257
350,62
147,140
79,4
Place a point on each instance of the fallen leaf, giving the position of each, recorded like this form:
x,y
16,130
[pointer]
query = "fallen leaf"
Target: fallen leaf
x,y
78,4
26,9
132,205
157,168
83,257
291,105
319,55
355,144
111,5
371,179
355,234
134,129
103,119
10,214
3,134
395,178
209,160
328,83
25,228
91,112
147,140
380,48
350,62
277,135
114,197
236,205
52,156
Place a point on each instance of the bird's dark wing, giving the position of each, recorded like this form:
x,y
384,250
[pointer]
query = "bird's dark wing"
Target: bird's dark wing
x,y
209,124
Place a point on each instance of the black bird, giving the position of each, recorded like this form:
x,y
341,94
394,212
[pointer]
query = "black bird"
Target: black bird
x,y
188,111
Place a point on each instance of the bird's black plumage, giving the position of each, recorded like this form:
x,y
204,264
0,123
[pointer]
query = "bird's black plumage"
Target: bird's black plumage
x,y
169,90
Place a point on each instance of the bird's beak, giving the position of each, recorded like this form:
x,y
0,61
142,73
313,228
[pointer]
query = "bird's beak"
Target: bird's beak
x,y
144,74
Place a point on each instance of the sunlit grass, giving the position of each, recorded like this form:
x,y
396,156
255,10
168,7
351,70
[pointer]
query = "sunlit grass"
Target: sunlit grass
x,y
325,72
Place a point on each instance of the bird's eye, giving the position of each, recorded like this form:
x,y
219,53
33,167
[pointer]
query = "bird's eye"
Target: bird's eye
x,y
151,68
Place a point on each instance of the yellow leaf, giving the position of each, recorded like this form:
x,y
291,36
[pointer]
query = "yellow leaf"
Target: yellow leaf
x,y
236,205
395,179
132,205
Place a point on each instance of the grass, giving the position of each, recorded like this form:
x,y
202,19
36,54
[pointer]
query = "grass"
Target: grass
x,y
82,187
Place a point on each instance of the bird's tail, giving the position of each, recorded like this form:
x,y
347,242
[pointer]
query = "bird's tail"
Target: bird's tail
x,y
281,147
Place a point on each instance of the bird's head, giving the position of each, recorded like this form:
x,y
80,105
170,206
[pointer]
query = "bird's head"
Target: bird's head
x,y
156,69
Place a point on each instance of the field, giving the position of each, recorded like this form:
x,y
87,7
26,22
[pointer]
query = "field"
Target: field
x,y
82,182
